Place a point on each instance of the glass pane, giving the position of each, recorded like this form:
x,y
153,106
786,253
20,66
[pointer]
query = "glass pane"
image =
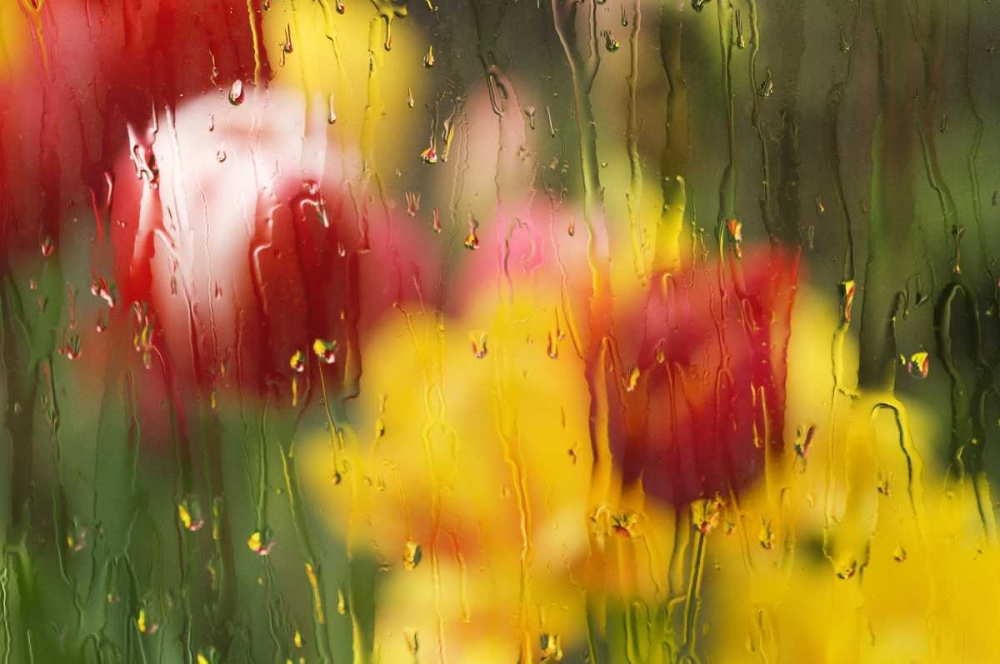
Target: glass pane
x,y
498,330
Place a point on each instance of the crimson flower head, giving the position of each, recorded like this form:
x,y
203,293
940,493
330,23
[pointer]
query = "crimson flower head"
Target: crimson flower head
x,y
707,392
247,248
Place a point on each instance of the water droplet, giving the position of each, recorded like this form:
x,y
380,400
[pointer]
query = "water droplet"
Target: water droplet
x,y
803,440
766,535
767,86
847,291
610,42
883,483
478,340
625,524
214,74
472,239
189,513
76,537
735,229
847,570
918,365
429,155
72,349
412,641
143,333
551,646
146,623
552,127
286,45
412,555
261,541
48,246
632,380
845,46
447,135
100,288
236,93
341,602
706,514
298,361
412,203
142,159
326,351
429,57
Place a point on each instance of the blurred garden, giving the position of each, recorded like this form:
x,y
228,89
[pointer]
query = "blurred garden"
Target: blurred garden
x,y
473,331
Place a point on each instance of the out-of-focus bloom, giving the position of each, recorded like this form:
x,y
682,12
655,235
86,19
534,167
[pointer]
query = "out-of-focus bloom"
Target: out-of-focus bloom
x,y
873,555
241,242
482,460
709,380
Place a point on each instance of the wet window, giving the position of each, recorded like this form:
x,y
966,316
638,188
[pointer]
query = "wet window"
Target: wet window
x,y
610,331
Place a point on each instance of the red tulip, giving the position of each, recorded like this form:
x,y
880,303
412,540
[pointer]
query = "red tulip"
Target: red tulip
x,y
246,253
708,386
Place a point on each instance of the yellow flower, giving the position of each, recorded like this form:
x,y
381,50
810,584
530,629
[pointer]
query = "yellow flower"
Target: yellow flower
x,y
332,56
874,555
473,491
